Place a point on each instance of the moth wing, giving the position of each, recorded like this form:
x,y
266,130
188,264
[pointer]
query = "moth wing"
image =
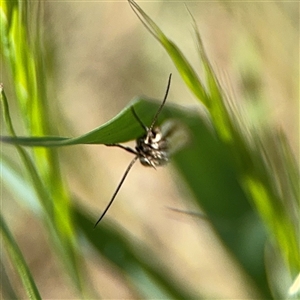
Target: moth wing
x,y
176,134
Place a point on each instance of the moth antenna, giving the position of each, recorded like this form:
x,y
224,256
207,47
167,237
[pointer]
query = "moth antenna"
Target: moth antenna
x,y
139,120
162,104
117,189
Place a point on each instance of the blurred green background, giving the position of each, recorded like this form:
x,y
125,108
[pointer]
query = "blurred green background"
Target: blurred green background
x,y
98,57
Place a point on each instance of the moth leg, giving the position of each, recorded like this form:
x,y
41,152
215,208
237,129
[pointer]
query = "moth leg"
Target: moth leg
x,y
117,190
128,149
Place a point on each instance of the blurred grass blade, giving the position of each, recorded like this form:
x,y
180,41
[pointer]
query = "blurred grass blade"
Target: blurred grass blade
x,y
262,190
130,257
218,110
8,291
44,197
213,101
294,290
247,149
21,28
185,69
19,261
37,183
15,183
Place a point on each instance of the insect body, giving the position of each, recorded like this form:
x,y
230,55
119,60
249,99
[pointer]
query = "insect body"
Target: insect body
x,y
153,148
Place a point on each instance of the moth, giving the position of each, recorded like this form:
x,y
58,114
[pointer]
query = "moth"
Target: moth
x,y
155,147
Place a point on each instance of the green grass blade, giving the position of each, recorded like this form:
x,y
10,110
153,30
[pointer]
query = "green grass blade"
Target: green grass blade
x,y
122,128
254,163
8,291
130,257
247,149
185,69
21,49
37,183
19,261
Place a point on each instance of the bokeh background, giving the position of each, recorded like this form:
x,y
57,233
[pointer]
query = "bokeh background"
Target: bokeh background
x,y
101,57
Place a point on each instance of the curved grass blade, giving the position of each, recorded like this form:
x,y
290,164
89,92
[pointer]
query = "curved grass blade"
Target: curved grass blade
x,y
121,128
54,225
185,69
19,261
211,98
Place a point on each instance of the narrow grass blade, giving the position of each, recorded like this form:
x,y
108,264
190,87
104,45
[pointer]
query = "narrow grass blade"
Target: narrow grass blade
x,y
19,261
22,42
185,69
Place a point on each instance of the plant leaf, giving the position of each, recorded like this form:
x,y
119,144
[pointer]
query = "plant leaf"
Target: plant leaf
x,y
122,128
